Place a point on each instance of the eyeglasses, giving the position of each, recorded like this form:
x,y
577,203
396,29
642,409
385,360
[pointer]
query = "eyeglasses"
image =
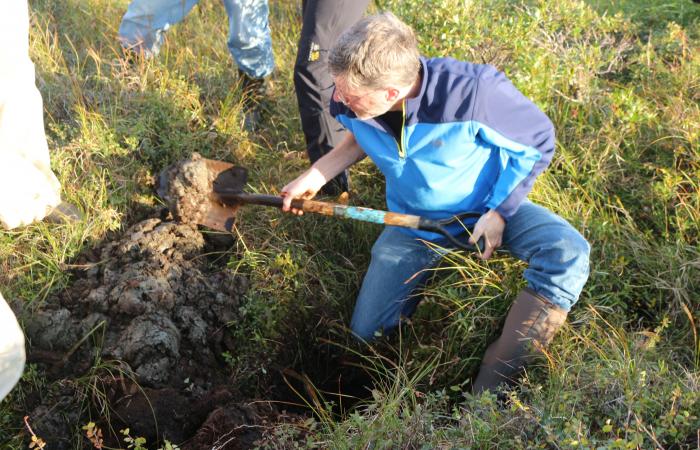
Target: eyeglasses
x,y
348,99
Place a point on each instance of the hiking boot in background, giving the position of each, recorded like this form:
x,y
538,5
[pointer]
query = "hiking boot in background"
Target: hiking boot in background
x,y
254,92
64,213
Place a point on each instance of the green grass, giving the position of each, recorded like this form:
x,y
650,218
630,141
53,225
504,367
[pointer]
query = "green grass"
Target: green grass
x,y
620,80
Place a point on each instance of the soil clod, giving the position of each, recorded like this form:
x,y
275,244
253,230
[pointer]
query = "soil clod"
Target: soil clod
x,y
152,314
186,186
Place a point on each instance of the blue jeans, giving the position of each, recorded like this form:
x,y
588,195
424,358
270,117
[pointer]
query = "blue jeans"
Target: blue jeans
x,y
557,257
249,39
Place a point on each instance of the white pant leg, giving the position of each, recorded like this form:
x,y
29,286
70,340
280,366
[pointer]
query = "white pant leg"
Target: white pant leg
x,y
25,172
12,354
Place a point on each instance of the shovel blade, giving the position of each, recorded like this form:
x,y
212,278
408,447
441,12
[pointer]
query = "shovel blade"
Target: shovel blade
x,y
226,176
219,217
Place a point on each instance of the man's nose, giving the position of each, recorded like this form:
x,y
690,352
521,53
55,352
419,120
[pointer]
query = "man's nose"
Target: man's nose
x,y
337,97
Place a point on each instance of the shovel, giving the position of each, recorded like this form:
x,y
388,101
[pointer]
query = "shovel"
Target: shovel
x,y
227,195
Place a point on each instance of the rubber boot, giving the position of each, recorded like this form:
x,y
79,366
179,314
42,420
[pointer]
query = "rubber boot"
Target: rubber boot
x,y
530,326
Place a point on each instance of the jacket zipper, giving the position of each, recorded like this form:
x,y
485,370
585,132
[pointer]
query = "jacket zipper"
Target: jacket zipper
x,y
399,144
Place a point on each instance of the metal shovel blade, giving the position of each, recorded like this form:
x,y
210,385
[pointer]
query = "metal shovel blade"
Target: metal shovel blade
x,y
221,217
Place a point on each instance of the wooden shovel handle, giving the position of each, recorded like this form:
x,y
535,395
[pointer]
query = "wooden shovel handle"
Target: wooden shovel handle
x,y
359,213
333,209
352,212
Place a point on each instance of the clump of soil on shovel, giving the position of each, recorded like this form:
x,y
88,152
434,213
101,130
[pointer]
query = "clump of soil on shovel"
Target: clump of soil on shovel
x,y
139,336
187,186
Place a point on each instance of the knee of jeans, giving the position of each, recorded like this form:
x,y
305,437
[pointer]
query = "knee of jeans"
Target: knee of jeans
x,y
570,249
560,267
574,252
580,250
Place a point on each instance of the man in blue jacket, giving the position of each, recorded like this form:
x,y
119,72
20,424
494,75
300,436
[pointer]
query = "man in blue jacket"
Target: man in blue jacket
x,y
449,137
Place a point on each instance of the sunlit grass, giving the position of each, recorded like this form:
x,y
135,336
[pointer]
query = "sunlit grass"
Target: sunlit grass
x,y
621,82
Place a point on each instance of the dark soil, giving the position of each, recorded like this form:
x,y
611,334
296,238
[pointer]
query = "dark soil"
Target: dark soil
x,y
138,341
139,336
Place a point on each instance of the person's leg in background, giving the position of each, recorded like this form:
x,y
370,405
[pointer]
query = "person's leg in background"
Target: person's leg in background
x,y
145,21
250,44
29,190
398,267
12,354
250,39
323,22
558,267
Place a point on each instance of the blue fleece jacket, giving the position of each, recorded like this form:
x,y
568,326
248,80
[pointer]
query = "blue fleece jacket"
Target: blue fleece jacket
x,y
470,141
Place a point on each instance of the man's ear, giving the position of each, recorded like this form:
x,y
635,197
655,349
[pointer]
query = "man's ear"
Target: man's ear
x,y
392,94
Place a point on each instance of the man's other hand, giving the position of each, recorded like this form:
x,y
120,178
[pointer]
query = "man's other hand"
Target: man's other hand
x,y
305,187
490,226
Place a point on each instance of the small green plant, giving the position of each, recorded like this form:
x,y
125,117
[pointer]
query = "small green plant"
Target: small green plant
x,y
167,445
137,443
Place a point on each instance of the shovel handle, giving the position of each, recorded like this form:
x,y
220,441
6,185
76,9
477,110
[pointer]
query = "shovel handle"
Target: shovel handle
x,y
355,213
330,209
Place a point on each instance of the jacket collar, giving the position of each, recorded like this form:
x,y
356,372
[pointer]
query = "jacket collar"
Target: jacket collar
x,y
413,104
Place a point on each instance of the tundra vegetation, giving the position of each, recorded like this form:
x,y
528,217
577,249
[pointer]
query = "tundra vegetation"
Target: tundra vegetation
x,y
621,82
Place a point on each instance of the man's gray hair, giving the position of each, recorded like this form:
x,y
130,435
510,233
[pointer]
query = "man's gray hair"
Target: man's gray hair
x,y
377,52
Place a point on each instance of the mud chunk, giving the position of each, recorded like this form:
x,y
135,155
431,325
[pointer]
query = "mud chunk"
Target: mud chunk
x,y
158,301
53,330
165,410
194,323
154,311
189,184
232,426
98,299
144,294
57,429
152,243
152,345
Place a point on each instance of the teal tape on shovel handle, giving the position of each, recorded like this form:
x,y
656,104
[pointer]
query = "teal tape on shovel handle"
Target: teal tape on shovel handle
x,y
358,213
